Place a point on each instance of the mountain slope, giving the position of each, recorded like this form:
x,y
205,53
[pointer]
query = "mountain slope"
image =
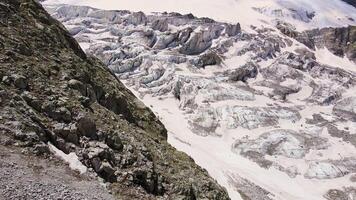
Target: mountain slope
x,y
266,108
53,98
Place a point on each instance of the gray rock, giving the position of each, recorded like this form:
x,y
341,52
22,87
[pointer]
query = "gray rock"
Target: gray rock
x,y
73,138
232,30
148,180
184,35
167,40
346,108
244,73
20,81
41,149
72,11
61,130
281,92
114,141
96,163
77,85
209,58
160,25
62,145
107,172
287,29
58,114
126,66
64,114
340,41
31,100
198,43
137,18
6,80
107,16
86,126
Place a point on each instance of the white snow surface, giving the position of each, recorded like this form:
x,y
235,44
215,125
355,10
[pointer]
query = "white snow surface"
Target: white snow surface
x,y
331,13
71,159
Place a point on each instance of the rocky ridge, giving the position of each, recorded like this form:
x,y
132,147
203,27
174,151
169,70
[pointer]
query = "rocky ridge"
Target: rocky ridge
x,y
51,92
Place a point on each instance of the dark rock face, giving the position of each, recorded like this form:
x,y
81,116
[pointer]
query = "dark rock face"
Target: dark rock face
x,y
50,91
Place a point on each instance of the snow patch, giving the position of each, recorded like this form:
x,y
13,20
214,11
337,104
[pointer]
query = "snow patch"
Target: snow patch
x,y
324,56
71,159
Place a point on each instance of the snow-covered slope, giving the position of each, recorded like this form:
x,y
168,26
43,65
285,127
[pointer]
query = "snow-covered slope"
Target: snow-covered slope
x,y
305,14
269,111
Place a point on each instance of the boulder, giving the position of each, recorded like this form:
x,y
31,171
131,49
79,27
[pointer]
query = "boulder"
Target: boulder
x,y
107,172
86,126
114,141
77,85
20,81
61,114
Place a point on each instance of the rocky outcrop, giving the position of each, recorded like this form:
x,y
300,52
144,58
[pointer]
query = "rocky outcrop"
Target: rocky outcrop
x,y
51,92
340,41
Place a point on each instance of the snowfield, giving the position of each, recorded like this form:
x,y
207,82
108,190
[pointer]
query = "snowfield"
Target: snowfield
x,y
268,116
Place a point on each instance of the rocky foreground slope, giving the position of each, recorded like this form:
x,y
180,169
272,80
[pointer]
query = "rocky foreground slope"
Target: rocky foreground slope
x,y
55,99
269,111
